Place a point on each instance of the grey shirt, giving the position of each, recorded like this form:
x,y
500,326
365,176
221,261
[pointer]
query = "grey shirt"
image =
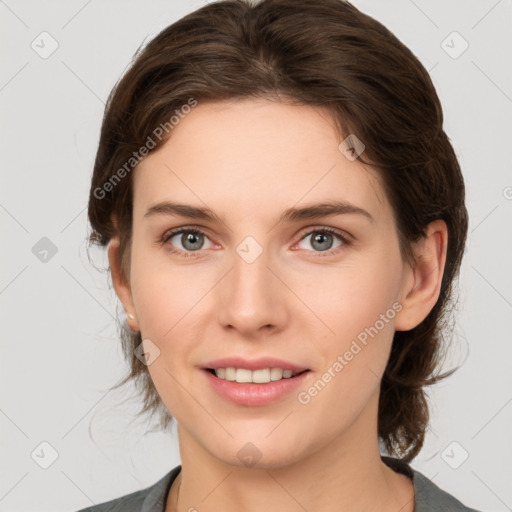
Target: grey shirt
x,y
428,496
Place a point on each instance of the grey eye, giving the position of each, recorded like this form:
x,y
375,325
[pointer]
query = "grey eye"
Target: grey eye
x,y
322,240
190,240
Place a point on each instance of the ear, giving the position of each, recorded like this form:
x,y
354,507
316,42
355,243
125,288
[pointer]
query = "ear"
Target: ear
x,y
422,284
121,283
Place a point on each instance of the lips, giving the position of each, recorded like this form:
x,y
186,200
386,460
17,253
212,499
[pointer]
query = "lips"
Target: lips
x,y
255,394
253,364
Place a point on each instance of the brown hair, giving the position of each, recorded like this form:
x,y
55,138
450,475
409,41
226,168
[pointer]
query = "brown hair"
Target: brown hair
x,y
320,53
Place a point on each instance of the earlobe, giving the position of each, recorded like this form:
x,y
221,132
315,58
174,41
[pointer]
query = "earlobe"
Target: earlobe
x,y
121,283
422,284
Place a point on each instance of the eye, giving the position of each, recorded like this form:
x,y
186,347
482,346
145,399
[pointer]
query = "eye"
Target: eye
x,y
187,239
322,240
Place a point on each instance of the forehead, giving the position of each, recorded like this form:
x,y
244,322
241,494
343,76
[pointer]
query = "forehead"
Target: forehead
x,y
254,156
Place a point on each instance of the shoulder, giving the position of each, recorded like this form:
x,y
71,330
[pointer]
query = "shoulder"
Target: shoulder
x,y
428,496
151,498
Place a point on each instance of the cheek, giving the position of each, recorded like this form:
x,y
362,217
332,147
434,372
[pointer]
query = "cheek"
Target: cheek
x,y
166,296
352,297
357,304
169,300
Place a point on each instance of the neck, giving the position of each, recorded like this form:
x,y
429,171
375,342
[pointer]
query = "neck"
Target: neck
x,y
345,474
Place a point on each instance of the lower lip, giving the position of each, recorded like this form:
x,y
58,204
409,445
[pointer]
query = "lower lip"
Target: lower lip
x,y
246,393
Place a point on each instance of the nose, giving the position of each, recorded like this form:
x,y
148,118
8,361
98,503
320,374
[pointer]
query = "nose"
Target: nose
x,y
252,299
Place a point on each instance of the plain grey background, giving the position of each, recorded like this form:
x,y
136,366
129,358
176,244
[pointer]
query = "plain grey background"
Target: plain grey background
x,y
60,352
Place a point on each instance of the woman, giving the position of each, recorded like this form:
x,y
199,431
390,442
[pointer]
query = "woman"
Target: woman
x,y
285,220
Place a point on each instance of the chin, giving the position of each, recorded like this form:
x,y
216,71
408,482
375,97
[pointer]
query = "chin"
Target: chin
x,y
253,452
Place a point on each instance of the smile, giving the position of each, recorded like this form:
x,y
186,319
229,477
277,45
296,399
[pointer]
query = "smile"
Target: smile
x,y
260,376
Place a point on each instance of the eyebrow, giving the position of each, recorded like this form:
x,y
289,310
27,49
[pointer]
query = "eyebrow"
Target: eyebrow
x,y
313,211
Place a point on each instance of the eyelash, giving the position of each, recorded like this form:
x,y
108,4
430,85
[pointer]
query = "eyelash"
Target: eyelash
x,y
346,242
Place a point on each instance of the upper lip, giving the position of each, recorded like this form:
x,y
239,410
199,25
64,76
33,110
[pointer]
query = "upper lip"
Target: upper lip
x,y
253,364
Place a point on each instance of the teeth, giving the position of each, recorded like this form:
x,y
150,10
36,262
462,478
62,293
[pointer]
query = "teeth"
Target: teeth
x,y
257,376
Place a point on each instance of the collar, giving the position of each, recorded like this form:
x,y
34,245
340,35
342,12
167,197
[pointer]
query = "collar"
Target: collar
x,y
427,494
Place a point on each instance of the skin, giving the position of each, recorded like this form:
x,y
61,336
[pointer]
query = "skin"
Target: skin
x,y
248,161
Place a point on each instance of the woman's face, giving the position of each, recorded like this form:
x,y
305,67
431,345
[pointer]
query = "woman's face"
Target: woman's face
x,y
252,286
